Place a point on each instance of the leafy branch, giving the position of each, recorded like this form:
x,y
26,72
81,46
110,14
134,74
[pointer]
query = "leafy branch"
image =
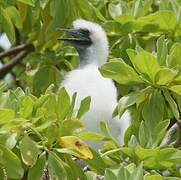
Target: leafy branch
x,y
22,51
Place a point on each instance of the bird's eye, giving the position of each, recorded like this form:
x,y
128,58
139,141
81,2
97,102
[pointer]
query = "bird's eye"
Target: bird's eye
x,y
84,32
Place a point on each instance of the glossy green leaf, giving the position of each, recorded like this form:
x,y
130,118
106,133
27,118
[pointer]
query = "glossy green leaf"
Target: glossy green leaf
x,y
175,55
120,72
14,14
176,89
165,76
28,2
63,104
154,103
55,167
162,50
172,104
84,107
29,151
146,64
11,163
36,172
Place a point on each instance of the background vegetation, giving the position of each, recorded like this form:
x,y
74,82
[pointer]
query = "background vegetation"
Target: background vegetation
x,y
39,129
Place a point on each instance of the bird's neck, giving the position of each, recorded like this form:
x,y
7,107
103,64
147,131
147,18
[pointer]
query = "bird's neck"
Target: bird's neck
x,y
91,56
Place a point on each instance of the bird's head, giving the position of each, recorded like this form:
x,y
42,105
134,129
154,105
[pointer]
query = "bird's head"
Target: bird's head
x,y
90,41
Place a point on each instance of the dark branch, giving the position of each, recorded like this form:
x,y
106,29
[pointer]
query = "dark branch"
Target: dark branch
x,y
15,50
17,59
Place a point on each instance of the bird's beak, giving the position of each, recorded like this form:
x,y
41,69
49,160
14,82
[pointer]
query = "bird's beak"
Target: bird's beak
x,y
76,36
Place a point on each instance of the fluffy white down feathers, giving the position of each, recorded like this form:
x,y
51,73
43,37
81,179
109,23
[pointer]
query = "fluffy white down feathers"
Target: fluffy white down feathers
x,y
87,81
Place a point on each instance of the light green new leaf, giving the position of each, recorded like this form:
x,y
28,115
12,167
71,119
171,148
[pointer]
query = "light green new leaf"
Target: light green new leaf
x,y
14,14
7,26
6,115
26,107
120,72
28,2
56,168
165,76
175,55
29,151
11,163
63,104
37,171
176,89
146,64
84,107
91,136
158,21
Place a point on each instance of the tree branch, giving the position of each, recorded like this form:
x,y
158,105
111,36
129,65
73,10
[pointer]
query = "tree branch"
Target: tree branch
x,y
169,135
18,58
178,141
175,128
15,50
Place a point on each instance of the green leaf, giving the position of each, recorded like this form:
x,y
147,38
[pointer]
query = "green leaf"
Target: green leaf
x,y
91,136
29,151
162,50
36,172
109,175
175,55
14,14
8,26
155,103
6,115
28,2
97,162
158,21
172,104
26,107
146,64
165,76
144,135
176,89
84,107
69,126
40,83
11,163
55,167
159,132
63,104
120,72
138,172
105,130
127,101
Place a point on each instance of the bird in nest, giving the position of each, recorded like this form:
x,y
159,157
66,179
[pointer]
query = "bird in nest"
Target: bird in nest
x,y
91,43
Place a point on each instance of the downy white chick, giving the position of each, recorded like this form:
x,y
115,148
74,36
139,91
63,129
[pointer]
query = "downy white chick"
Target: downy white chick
x,y
91,42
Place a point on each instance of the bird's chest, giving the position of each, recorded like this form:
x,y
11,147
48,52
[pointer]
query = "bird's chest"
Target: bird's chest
x,y
89,82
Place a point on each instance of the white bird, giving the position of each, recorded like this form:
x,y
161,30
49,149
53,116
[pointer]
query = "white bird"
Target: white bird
x,y
91,42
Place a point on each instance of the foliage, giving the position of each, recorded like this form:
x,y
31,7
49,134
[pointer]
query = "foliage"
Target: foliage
x,y
39,127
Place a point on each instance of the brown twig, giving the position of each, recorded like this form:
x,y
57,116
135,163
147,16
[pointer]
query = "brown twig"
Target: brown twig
x,y
15,50
17,59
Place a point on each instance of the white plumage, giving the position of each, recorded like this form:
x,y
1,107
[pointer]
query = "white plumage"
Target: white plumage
x,y
87,81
